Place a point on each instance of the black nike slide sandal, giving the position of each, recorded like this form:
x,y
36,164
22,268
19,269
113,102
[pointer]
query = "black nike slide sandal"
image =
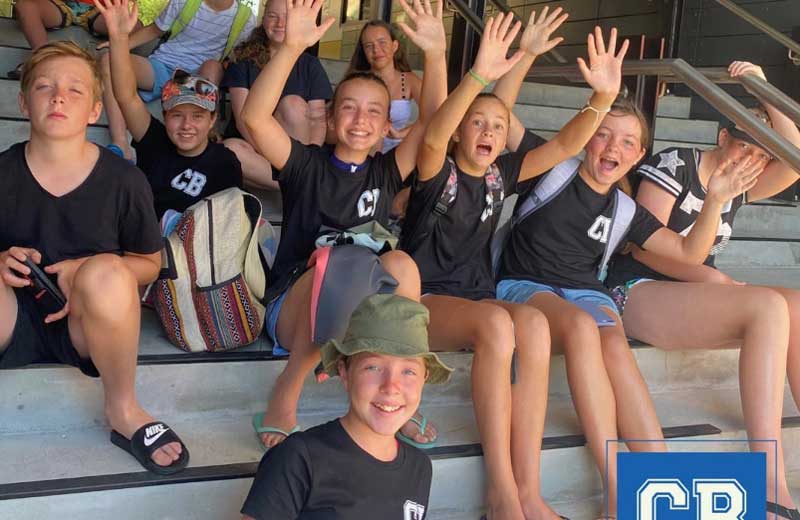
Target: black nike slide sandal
x,y
783,511
147,440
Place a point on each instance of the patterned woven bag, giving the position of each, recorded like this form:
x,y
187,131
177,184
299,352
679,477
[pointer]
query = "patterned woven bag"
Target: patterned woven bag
x,y
210,295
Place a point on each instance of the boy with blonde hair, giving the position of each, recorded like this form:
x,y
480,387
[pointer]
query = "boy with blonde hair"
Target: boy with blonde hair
x,y
84,216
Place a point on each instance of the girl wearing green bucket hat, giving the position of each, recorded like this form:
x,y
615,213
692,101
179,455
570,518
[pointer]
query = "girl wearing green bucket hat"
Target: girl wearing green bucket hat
x,y
353,467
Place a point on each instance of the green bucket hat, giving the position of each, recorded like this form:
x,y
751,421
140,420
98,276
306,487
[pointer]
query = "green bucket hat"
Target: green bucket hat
x,y
390,325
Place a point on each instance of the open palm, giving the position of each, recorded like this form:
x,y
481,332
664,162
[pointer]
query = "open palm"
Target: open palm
x,y
535,38
731,180
498,34
428,33
301,23
120,18
604,72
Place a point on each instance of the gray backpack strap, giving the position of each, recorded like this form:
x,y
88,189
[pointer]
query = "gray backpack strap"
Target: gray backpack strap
x,y
548,188
624,210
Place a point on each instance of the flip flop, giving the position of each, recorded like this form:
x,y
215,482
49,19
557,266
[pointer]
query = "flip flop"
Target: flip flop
x,y
146,440
15,73
258,420
783,511
484,517
423,424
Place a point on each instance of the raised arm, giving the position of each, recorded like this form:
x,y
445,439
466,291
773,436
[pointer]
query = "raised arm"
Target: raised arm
x,y
490,64
727,181
604,75
144,35
777,175
302,31
120,20
428,34
535,40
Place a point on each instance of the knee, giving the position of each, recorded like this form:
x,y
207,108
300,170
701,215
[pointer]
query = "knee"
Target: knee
x,y
238,146
104,284
532,332
403,269
293,108
211,70
769,304
493,332
616,349
582,333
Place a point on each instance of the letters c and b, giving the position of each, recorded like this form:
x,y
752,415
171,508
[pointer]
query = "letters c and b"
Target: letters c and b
x,y
716,499
190,182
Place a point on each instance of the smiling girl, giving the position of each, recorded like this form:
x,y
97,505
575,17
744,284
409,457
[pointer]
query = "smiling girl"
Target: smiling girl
x,y
334,187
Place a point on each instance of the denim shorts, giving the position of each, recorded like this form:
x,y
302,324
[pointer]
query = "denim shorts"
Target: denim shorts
x,y
161,74
271,323
520,291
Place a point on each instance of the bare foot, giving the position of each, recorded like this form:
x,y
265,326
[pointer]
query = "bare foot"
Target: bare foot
x,y
412,430
284,421
130,420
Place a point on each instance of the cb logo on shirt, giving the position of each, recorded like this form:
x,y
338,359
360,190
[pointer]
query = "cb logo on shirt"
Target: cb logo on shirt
x,y
190,182
692,486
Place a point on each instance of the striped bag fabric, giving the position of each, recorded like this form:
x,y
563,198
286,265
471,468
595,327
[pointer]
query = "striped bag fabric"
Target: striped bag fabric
x,y
210,295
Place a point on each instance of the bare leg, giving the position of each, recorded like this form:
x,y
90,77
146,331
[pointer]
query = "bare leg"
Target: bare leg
x,y
792,297
529,406
35,17
256,170
104,304
8,314
636,414
575,333
116,121
211,70
718,316
294,334
293,115
457,323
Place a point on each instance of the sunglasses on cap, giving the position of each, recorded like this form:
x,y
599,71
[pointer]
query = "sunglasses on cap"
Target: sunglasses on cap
x,y
201,86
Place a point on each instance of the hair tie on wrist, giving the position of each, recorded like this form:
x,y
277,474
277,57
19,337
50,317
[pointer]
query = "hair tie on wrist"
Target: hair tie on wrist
x,y
597,111
478,78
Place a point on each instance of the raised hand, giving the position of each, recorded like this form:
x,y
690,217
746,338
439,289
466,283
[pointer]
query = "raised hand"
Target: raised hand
x,y
302,30
498,34
120,16
730,180
429,33
604,72
740,68
535,39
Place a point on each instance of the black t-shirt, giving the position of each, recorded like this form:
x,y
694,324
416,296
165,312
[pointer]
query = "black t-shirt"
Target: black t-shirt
x,y
307,79
322,474
110,212
317,194
454,257
562,243
179,181
675,170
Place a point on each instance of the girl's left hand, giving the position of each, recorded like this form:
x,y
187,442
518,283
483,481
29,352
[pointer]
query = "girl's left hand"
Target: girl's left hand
x,y
535,39
429,33
740,68
604,72
730,180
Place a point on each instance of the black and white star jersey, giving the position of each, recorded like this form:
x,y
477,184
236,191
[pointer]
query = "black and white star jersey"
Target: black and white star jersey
x,y
676,170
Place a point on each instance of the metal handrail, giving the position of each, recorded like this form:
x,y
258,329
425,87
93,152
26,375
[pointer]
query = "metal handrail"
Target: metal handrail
x,y
477,23
758,23
703,82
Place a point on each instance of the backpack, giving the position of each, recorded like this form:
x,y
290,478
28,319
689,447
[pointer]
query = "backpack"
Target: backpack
x,y
495,194
548,188
210,295
190,8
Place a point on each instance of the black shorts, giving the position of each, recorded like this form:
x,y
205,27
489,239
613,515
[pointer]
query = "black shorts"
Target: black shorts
x,y
34,341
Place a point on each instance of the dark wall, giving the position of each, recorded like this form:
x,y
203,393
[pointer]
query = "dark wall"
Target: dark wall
x,y
712,36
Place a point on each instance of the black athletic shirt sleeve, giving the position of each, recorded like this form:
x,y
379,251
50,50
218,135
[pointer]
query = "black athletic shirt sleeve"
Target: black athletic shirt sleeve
x,y
300,155
282,483
510,164
319,85
643,225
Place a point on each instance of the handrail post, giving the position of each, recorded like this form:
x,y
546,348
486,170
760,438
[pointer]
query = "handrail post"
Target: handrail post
x,y
467,27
